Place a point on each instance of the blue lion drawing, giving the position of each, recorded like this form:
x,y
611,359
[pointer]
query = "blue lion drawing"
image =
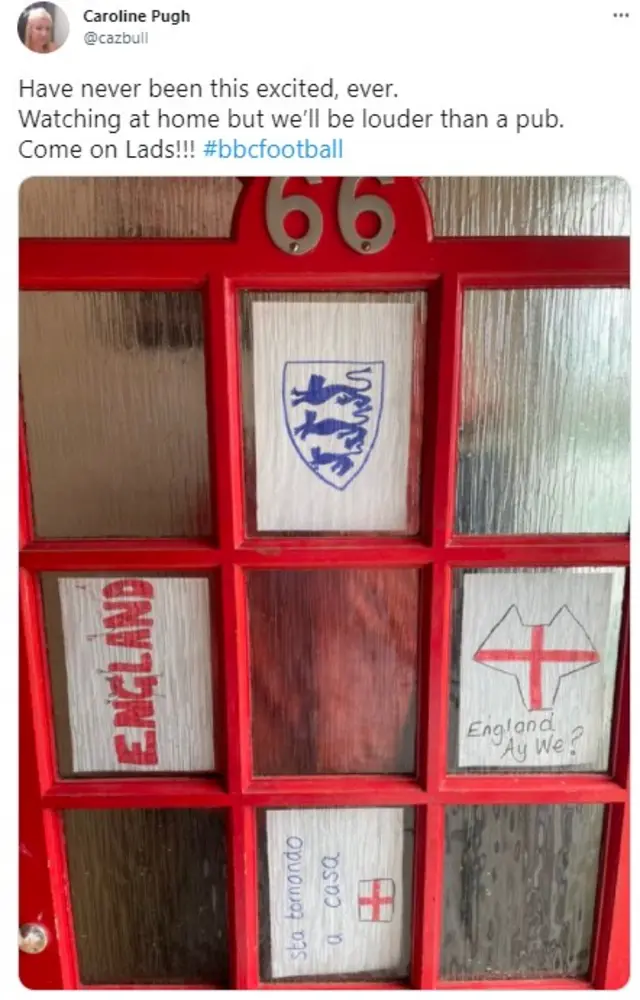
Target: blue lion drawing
x,y
340,463
357,389
318,392
353,433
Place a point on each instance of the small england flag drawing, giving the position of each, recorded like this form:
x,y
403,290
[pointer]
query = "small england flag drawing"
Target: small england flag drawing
x,y
376,900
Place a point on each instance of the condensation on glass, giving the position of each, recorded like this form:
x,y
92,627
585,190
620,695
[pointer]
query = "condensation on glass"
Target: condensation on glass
x,y
130,660
126,207
335,892
113,387
334,670
519,891
534,659
545,412
529,206
333,401
149,896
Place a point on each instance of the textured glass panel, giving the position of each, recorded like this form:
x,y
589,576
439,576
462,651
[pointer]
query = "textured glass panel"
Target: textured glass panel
x,y
335,890
529,206
131,673
533,668
114,399
544,434
520,889
333,411
149,895
128,206
333,670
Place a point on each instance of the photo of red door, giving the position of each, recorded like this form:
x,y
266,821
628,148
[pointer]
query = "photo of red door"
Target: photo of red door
x,y
324,614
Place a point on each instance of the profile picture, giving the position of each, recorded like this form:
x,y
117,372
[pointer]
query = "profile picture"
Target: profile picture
x,y
43,27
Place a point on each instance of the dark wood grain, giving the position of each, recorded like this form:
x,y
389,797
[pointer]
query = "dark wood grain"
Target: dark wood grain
x,y
333,668
149,895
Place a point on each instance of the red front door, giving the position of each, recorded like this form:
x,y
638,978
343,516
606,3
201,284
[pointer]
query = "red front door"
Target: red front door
x,y
324,542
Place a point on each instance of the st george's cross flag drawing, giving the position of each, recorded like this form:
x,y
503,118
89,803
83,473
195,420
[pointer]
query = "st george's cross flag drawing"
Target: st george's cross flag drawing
x,y
537,667
538,656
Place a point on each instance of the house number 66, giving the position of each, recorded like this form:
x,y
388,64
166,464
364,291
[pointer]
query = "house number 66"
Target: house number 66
x,y
349,208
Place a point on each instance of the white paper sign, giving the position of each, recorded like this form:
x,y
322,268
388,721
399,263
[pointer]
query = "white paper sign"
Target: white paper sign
x,y
333,389
537,668
138,661
335,891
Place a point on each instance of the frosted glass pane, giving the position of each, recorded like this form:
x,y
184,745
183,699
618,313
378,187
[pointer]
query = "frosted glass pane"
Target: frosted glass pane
x,y
545,406
131,672
529,206
149,896
533,668
114,398
335,893
334,670
333,411
520,889
128,206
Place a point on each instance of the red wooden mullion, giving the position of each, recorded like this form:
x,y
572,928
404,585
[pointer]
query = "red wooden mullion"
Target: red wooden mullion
x,y
225,428
36,899
141,264
621,728
511,789
137,793
611,938
522,551
339,790
445,331
287,553
154,987
310,984
513,984
120,555
35,664
611,952
59,882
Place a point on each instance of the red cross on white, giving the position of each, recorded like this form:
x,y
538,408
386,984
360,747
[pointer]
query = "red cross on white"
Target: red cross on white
x,y
375,900
539,656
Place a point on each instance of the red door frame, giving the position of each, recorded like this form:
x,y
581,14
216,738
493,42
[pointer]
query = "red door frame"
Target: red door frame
x,y
221,269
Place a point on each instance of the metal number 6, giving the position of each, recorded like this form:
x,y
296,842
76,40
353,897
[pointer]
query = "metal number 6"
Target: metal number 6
x,y
278,208
350,207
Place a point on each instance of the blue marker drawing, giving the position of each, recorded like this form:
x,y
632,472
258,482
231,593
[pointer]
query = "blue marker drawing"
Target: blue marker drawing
x,y
332,413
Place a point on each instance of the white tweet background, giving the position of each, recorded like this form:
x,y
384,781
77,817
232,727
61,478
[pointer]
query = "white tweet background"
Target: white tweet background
x,y
572,57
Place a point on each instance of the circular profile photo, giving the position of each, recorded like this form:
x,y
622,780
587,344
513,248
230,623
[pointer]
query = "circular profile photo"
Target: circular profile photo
x,y
43,27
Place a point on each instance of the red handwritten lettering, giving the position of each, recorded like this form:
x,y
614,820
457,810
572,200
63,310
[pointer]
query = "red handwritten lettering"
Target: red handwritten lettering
x,y
127,588
138,713
139,638
136,753
144,685
128,623
143,667
131,613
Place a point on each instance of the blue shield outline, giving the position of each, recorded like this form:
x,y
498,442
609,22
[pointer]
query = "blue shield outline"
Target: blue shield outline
x,y
350,449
